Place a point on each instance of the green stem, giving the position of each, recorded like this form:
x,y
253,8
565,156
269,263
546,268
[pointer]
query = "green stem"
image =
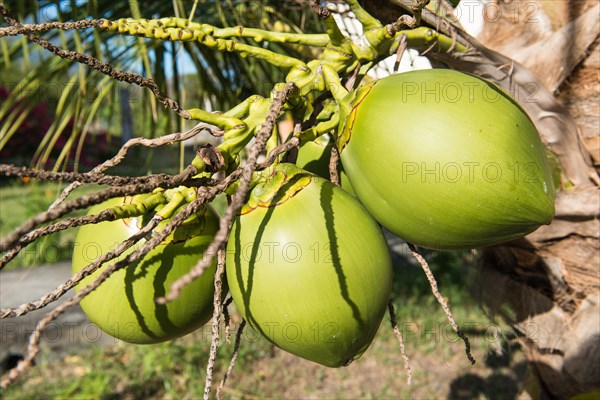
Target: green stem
x,y
198,164
422,38
221,121
333,83
259,35
334,32
139,206
419,38
241,110
319,129
176,199
129,27
368,22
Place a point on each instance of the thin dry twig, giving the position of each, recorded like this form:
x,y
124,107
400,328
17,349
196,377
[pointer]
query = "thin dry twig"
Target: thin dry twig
x,y
282,148
78,277
47,230
86,177
236,348
204,195
120,156
407,21
34,340
216,320
46,26
227,318
403,43
394,323
237,200
441,300
12,238
334,158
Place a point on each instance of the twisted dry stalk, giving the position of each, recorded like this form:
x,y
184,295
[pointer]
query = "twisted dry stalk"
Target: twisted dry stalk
x,y
34,340
120,156
394,323
227,318
46,26
236,348
216,320
204,196
12,238
86,177
441,300
32,236
78,277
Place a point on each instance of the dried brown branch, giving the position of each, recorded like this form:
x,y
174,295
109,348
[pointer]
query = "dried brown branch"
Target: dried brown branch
x,y
403,22
394,323
78,277
441,300
227,318
333,166
400,52
46,26
239,197
98,179
104,68
30,237
120,156
236,348
282,148
12,238
216,320
204,195
34,340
